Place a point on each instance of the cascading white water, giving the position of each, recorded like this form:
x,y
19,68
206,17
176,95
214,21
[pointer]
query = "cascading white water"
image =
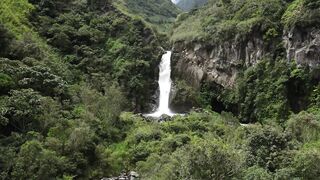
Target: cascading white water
x,y
175,1
165,86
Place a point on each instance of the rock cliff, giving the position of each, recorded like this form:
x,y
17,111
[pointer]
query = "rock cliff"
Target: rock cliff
x,y
220,63
303,46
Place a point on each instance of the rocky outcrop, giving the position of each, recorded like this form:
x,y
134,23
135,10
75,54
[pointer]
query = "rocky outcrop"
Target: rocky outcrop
x,y
220,63
303,46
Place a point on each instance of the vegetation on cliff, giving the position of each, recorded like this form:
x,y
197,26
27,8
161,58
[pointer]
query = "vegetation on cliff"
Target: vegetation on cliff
x,y
222,20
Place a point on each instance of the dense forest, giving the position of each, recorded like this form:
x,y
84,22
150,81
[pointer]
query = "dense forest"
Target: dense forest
x,y
77,75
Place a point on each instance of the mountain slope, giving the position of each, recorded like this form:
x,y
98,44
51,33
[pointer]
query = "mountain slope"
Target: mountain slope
x,y
188,5
67,71
159,13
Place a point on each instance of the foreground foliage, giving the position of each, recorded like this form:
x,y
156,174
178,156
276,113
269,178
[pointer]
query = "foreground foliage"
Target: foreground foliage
x,y
208,145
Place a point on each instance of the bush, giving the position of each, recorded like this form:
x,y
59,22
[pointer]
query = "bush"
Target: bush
x,y
45,163
203,160
257,173
305,127
267,148
306,161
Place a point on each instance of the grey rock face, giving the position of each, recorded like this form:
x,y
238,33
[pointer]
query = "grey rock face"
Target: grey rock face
x,y
221,63
303,46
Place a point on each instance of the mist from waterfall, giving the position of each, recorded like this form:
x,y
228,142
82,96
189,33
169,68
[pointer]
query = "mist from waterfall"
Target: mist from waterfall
x,y
164,86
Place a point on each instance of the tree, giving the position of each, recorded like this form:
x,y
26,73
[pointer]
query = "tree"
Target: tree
x,y
207,159
36,162
42,79
306,161
22,109
267,148
257,173
305,127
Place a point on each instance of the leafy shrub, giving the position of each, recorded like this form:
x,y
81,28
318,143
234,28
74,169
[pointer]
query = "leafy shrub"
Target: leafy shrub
x,y
304,127
306,161
23,108
267,148
202,160
46,163
257,173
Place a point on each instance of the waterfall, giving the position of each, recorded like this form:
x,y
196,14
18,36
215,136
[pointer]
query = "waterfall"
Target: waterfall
x,y
175,1
165,86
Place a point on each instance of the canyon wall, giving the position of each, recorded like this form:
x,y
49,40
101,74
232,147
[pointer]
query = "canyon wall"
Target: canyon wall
x,y
220,63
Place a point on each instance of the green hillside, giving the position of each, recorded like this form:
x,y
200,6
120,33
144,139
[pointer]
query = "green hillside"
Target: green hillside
x,y
188,5
67,71
222,20
159,13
